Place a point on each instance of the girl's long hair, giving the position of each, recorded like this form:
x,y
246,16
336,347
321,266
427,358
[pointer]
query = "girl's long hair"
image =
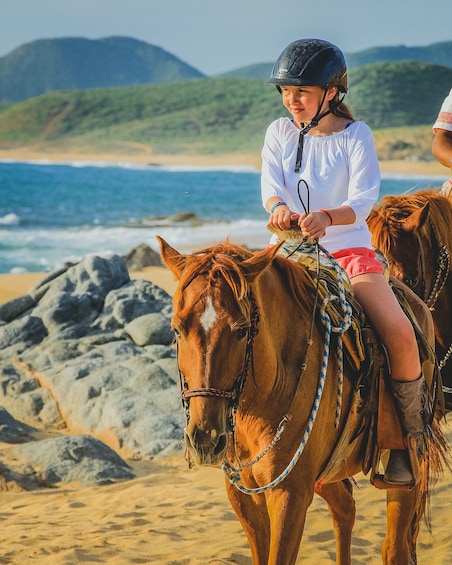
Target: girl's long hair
x,y
338,108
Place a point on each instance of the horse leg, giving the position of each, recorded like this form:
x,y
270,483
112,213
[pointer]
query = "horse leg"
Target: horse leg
x,y
399,545
273,522
341,505
287,508
251,510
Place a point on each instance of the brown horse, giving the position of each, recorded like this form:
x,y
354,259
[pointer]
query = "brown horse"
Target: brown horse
x,y
262,402
414,231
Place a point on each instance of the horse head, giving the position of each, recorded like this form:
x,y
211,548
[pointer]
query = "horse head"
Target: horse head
x,y
396,231
215,321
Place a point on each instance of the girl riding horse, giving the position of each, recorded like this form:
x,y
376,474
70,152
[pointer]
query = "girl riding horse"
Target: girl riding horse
x,y
320,170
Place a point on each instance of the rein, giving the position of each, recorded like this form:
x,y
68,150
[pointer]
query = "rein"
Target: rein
x,y
233,473
441,274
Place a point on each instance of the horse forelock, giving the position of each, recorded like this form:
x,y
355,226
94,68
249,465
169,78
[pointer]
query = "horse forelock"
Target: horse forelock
x,y
387,218
223,262
220,262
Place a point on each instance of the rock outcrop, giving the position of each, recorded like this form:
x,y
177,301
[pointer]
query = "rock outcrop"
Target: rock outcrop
x,y
88,351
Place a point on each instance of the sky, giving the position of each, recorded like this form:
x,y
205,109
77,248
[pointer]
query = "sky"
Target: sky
x,y
218,36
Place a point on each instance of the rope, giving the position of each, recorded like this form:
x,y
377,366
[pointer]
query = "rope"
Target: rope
x,y
234,473
444,361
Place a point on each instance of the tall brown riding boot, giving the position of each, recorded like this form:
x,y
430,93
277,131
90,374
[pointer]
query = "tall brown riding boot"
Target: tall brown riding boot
x,y
410,398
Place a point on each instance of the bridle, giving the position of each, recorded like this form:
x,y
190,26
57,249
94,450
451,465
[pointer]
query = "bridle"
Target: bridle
x,y
441,275
233,469
233,394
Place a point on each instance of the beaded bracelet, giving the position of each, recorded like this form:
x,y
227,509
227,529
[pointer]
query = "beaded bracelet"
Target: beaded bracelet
x,y
276,204
329,215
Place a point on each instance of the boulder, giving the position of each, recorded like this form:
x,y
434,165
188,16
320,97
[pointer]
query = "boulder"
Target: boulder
x,y
87,352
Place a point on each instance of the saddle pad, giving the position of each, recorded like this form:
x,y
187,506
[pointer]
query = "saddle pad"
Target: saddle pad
x,y
332,278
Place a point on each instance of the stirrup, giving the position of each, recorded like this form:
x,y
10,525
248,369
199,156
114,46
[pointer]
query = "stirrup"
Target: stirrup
x,y
398,470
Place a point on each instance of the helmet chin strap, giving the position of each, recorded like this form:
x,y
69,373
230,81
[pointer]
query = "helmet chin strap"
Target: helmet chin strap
x,y
312,124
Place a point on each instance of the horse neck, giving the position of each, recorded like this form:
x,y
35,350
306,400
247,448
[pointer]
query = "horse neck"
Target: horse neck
x,y
286,309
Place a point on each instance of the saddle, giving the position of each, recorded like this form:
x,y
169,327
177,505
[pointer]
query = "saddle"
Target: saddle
x,y
373,412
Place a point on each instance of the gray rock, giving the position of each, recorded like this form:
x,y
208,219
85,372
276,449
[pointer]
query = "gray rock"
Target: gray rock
x,y
15,307
74,458
92,355
13,431
149,329
142,256
22,332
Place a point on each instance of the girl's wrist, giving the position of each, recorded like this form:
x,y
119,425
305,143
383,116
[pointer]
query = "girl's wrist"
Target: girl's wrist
x,y
276,204
329,216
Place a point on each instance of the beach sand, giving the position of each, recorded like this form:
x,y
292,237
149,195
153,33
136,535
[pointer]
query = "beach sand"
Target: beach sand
x,y
142,154
170,515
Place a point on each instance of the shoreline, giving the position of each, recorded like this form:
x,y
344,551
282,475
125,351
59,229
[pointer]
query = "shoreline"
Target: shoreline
x,y
146,157
13,285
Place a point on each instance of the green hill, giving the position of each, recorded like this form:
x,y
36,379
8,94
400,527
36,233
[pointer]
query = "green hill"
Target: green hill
x,y
46,65
436,53
214,115
398,94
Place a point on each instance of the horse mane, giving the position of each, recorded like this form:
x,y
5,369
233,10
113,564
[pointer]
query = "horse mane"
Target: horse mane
x,y
224,260
386,217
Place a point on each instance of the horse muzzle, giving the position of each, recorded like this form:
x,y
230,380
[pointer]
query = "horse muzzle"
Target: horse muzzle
x,y
206,447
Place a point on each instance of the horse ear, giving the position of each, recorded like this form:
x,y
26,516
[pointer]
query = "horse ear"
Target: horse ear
x,y
256,264
417,219
174,260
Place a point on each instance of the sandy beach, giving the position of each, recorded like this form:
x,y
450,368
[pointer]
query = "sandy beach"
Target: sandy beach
x,y
143,154
172,515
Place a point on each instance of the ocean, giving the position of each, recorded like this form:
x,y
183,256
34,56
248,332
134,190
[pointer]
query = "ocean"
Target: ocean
x,y
56,213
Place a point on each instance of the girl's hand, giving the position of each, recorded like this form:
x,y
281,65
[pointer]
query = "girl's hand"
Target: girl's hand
x,y
281,217
314,224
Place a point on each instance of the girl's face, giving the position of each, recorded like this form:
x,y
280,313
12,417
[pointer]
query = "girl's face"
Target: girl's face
x,y
303,101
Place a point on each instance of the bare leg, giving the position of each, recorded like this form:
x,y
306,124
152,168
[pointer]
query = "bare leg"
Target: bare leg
x,y
408,384
389,320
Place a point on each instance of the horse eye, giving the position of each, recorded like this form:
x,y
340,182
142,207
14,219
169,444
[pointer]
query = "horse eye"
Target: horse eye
x,y
241,332
176,333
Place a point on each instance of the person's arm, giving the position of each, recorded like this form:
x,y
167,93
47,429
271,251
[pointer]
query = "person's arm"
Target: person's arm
x,y
442,147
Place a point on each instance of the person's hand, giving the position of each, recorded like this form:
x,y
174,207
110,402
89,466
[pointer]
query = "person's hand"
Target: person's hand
x,y
314,224
282,217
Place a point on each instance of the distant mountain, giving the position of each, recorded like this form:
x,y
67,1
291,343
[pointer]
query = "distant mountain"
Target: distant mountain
x,y
260,70
46,65
77,63
437,53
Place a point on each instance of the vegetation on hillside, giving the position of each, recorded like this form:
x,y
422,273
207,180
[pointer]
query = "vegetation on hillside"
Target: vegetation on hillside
x,y
402,93
215,115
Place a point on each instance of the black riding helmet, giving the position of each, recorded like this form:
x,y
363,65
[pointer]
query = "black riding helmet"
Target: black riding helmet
x,y
310,62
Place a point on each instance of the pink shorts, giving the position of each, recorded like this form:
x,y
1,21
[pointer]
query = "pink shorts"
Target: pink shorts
x,y
358,261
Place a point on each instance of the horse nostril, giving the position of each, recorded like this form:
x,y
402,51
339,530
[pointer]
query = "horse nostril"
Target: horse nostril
x,y
221,444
